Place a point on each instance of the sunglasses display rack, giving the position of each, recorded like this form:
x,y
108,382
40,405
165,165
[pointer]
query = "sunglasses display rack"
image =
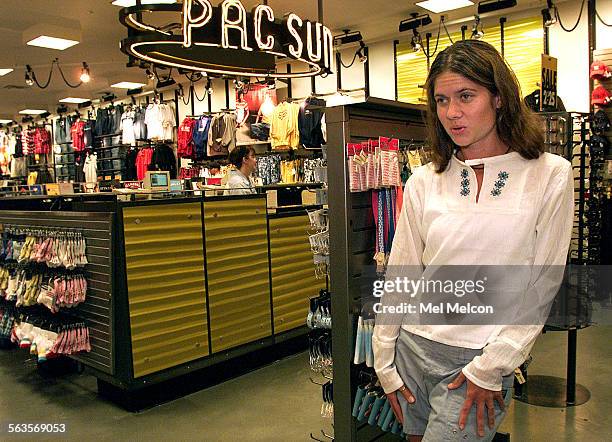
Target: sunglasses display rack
x,y
319,321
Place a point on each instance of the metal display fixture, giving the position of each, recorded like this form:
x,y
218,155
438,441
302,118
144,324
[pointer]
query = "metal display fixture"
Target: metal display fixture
x,y
352,242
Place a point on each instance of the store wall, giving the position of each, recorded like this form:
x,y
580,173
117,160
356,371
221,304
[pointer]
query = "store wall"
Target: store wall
x,y
572,52
382,83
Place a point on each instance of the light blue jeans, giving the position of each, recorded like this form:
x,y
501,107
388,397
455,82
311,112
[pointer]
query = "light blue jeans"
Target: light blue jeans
x,y
427,367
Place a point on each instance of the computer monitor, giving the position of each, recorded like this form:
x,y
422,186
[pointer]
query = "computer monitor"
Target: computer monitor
x,y
157,180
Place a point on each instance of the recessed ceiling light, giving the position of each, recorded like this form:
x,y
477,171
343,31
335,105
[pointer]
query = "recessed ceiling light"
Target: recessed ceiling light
x,y
3,72
437,6
32,111
128,85
44,41
126,3
74,100
5,121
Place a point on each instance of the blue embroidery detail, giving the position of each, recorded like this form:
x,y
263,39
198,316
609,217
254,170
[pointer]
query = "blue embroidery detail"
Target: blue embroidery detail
x,y
499,184
465,183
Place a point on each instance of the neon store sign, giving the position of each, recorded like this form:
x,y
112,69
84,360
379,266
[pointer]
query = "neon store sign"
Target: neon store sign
x,y
225,39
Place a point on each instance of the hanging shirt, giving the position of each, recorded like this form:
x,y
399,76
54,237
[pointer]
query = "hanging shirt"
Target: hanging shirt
x,y
140,127
143,159
127,128
309,123
153,120
281,126
185,141
523,217
200,137
168,122
77,132
90,168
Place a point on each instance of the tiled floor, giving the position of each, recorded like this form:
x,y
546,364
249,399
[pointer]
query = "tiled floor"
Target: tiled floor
x,y
279,403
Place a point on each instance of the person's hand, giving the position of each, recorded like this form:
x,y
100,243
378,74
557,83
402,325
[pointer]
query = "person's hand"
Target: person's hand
x,y
395,406
481,397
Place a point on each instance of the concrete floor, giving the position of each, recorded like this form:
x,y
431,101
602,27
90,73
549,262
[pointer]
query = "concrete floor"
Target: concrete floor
x,y
278,402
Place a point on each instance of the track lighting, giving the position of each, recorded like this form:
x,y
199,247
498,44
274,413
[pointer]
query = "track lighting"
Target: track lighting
x,y
85,77
417,42
209,88
414,22
29,76
477,34
150,75
495,5
347,37
549,15
361,53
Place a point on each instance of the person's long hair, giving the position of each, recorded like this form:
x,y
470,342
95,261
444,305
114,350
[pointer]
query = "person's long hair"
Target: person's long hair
x,y
480,62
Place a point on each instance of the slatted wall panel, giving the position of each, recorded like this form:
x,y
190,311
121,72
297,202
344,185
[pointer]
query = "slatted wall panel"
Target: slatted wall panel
x,y
237,266
97,308
166,285
293,276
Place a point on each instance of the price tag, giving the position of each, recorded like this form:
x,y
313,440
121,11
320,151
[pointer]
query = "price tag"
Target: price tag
x,y
548,82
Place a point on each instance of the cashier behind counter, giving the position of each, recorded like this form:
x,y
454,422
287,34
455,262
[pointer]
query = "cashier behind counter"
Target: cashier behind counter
x,y
238,181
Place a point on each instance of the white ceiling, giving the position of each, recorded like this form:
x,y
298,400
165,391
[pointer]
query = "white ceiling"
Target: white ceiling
x,y
101,32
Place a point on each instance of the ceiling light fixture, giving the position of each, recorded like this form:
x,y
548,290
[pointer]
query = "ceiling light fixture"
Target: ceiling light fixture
x,y
363,58
347,38
549,15
85,76
127,3
3,72
150,75
74,100
29,76
46,41
128,85
32,112
2,121
494,5
437,6
477,34
417,42
414,22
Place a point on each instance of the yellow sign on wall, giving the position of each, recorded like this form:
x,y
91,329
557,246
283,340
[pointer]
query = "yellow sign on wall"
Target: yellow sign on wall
x,y
548,82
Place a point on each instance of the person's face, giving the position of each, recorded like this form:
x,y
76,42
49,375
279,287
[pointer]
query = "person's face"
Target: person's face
x,y
466,110
250,162
214,170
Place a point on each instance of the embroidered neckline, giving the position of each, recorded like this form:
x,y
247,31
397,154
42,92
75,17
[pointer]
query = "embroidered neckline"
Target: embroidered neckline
x,y
465,183
499,184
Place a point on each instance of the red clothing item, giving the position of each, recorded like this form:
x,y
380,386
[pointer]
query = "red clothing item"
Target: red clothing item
x,y
185,142
77,133
143,159
42,141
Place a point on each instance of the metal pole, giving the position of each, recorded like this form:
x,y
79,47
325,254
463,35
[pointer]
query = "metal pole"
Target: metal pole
x,y
338,70
502,20
289,90
427,38
463,29
227,100
366,72
192,98
395,43
570,388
